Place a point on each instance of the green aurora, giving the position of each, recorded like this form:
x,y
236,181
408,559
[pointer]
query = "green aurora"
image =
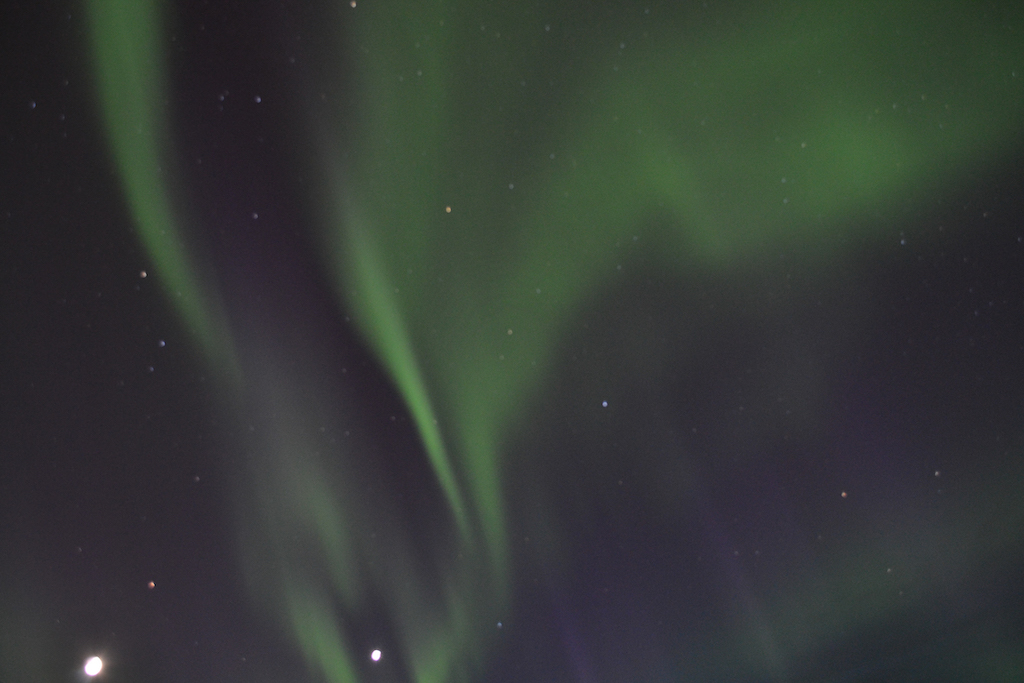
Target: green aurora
x,y
497,160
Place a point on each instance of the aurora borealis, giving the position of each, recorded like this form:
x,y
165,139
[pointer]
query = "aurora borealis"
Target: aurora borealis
x,y
635,342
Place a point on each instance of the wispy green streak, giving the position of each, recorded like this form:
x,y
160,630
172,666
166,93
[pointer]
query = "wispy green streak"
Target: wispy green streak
x,y
128,66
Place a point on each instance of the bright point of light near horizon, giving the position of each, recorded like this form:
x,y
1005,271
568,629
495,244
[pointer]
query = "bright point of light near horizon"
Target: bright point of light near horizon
x,y
93,666
375,655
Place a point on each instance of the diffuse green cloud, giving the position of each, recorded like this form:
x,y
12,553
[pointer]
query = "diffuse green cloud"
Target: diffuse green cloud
x,y
490,188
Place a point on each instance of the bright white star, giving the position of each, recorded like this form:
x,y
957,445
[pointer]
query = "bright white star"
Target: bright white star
x,y
93,666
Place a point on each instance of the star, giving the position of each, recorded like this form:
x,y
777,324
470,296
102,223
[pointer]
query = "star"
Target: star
x,y
93,666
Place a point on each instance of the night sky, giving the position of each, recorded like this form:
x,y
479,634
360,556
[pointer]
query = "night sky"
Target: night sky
x,y
517,342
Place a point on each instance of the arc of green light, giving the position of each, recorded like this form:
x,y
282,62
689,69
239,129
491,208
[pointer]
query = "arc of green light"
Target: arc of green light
x,y
130,76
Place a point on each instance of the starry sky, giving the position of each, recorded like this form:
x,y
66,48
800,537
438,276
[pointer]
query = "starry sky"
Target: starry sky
x,y
516,342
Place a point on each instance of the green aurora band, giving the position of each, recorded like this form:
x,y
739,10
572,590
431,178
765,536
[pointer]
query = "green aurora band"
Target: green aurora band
x,y
773,130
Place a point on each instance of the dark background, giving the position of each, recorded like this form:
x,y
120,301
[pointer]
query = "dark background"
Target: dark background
x,y
117,457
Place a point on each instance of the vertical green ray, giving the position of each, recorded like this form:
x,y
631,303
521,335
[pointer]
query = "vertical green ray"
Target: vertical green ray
x,y
388,333
127,46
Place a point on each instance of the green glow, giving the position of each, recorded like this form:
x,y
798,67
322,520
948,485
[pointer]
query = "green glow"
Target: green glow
x,y
772,136
317,633
777,133
127,53
774,132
